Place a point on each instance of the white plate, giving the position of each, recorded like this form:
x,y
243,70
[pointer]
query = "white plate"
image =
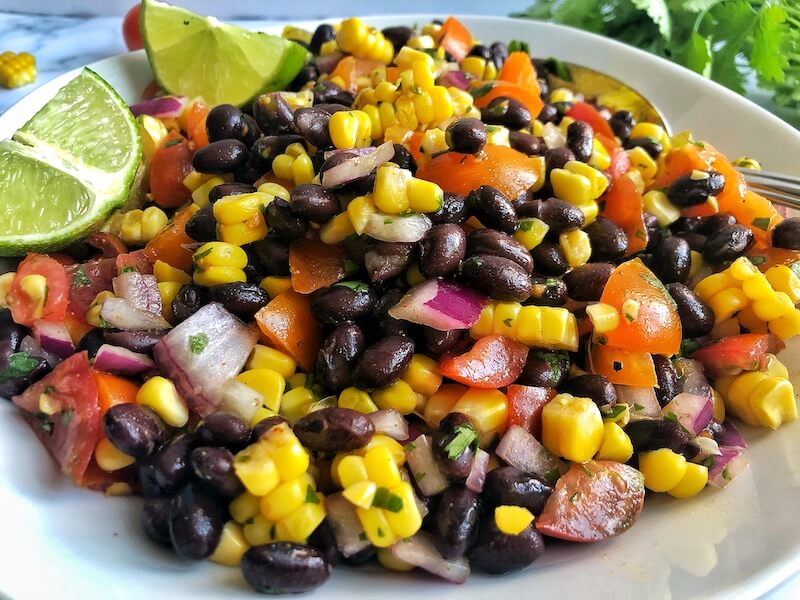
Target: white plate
x,y
64,542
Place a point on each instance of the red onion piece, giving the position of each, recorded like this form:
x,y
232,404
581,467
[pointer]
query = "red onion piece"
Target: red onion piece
x,y
692,377
391,423
53,337
726,467
520,449
161,107
135,341
397,228
357,167
240,399
348,151
121,360
347,529
429,478
328,63
138,290
122,315
642,401
110,245
477,472
729,436
456,79
707,446
199,375
32,348
692,412
420,550
442,305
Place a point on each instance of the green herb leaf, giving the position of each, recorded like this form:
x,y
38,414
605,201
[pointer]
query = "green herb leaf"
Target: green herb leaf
x,y
356,286
79,278
19,365
67,416
526,224
761,222
482,90
44,422
612,412
698,54
559,69
198,343
362,536
311,496
638,407
465,436
508,322
552,475
657,10
688,346
518,46
419,476
758,260
388,500
129,269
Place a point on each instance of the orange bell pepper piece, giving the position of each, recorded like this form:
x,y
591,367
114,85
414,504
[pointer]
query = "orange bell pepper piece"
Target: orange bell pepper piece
x,y
170,245
625,209
518,69
196,123
527,95
288,324
623,367
350,68
455,38
315,265
113,390
764,258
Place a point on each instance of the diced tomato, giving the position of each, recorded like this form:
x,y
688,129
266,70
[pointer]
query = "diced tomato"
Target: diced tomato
x,y
525,404
593,501
137,260
502,167
583,111
351,68
737,353
623,367
172,162
288,324
620,162
315,265
454,37
171,244
86,281
130,28
655,327
518,69
195,117
494,361
625,209
113,390
529,96
72,432
764,258
414,145
23,308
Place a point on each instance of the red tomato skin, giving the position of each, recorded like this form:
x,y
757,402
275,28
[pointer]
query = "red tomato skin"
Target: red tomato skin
x,y
55,306
525,404
74,431
737,353
583,111
593,501
172,162
86,281
131,31
494,361
620,164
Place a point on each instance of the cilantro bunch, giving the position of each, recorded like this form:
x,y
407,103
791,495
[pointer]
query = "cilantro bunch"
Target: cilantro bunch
x,y
725,40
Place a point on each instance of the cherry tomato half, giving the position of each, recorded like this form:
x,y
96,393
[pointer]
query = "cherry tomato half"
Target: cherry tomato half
x,y
494,361
130,28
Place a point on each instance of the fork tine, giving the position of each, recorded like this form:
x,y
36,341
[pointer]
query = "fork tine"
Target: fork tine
x,y
784,186
769,175
776,196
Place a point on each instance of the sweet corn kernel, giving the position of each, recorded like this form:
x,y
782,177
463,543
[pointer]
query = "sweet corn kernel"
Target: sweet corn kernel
x,y
604,317
398,396
600,158
787,326
275,285
359,210
713,284
572,427
783,279
152,131
727,303
616,444
350,129
381,467
742,269
356,38
719,406
200,194
663,469
301,523
562,95
337,229
284,499
259,531
389,193
442,402
757,287
571,187
167,273
539,326
657,203
424,196
531,232
692,482
296,402
244,507
576,247
487,409
414,276
6,279
773,402
93,316
349,470
361,493
168,290
643,162
109,458
17,70
264,357
506,318
651,130
159,393
270,384
356,399
422,375
376,526
773,308
231,547
512,520
598,179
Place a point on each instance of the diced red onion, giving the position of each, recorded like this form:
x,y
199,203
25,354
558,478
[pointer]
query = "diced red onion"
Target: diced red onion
x,y
239,399
553,136
138,290
390,423
729,436
442,305
456,79
420,550
642,401
727,466
693,412
161,107
348,151
427,475
692,376
477,472
520,449
328,62
347,529
397,228
116,359
122,315
707,446
357,167
421,506
53,337
199,375
135,341
31,347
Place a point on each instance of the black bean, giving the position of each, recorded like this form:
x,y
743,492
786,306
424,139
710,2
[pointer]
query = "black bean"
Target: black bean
x,y
586,282
134,429
202,225
687,225
454,462
650,145
385,260
273,254
672,260
453,210
224,429
655,233
225,122
545,369
508,112
283,221
560,215
556,158
549,259
155,519
383,362
273,114
510,486
456,524
323,33
189,299
323,539
284,568
343,302
695,241
595,387
608,241
498,277
694,189
229,189
11,336
528,207
307,74
714,222
267,147
442,250
480,50
338,354
499,52
786,234
312,124
438,342
697,318
466,135
668,384
548,291
403,158
242,299
171,463
549,114
253,132
315,203
213,466
334,430
580,139
17,385
398,35
493,209
497,552
90,342
220,157
621,124
326,92
727,243
654,434
264,425
195,524
526,143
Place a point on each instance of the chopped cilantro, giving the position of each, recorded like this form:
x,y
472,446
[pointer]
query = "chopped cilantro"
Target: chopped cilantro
x,y
129,269
273,531
758,260
639,233
588,471
509,322
198,343
708,462
410,447
518,46
574,497
386,499
311,496
612,412
726,474
105,324
388,221
638,407
629,317
552,475
465,436
526,224
380,532
558,68
671,416
419,476
351,266
601,339
176,141
362,536
67,416
243,458
688,346
45,422
761,222
79,278
19,365
482,90
356,286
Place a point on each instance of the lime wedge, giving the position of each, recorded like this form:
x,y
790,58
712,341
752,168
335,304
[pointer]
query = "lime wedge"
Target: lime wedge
x,y
67,168
200,56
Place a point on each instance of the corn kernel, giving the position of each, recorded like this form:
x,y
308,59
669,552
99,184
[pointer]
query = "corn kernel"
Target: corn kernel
x,y
256,469
576,247
34,286
643,162
531,232
152,131
571,187
487,409
414,276
512,520
742,269
296,402
663,469
424,196
231,547
337,229
376,527
389,193
572,427
773,308
652,130
270,384
160,394
506,318
301,523
259,531
657,203
356,399
604,317
783,279
200,194
713,284
17,70
359,210
381,467
562,95
361,493
244,507
350,129
616,444
773,403
727,303
758,287
385,557
718,406
93,316
167,273
109,458
600,158
422,375
787,326
692,482
349,470
598,179
264,357
284,499
168,290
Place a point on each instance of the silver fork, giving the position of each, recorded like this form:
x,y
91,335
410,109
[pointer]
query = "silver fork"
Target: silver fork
x,y
780,188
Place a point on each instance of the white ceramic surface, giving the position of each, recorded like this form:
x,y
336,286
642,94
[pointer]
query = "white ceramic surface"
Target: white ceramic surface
x,y
736,543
